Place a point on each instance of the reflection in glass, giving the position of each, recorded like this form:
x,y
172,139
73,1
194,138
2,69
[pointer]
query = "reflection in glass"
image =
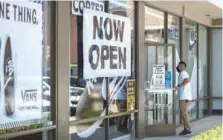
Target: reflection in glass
x,y
77,132
216,62
35,136
126,9
120,127
88,97
203,62
118,95
84,103
192,108
159,105
203,108
190,54
159,108
46,79
173,38
154,25
173,31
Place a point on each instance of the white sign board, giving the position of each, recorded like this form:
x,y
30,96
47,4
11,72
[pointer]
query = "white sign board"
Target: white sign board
x,y
78,6
159,76
106,45
21,62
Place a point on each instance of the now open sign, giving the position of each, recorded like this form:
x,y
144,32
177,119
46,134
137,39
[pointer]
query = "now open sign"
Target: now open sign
x,y
107,45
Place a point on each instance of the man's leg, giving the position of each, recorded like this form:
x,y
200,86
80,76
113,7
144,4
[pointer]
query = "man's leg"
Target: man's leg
x,y
184,114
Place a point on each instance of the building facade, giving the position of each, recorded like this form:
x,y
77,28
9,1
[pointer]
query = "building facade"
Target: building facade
x,y
162,33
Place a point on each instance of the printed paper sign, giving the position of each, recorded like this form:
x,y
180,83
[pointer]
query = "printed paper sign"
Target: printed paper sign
x,y
21,63
78,6
159,76
106,45
130,94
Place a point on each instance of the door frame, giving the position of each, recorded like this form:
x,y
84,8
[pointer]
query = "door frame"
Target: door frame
x,y
161,129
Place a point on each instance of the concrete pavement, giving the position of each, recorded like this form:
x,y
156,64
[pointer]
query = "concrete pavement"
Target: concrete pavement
x,y
196,126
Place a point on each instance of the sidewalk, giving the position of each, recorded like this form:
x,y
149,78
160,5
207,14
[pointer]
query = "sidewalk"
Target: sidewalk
x,y
197,127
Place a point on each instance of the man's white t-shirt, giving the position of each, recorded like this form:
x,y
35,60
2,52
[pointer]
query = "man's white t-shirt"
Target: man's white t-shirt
x,y
184,92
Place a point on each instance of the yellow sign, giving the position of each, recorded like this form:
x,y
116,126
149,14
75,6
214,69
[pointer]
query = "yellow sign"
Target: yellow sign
x,y
130,88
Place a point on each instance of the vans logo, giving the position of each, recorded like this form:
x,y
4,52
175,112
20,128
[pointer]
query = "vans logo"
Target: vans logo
x,y
29,95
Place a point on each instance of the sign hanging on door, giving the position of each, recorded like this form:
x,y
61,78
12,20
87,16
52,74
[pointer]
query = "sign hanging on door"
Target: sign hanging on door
x,y
106,45
159,76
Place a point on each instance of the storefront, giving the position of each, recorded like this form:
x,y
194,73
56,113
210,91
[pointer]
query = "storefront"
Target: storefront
x,y
104,91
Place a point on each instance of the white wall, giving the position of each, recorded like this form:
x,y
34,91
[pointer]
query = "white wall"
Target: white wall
x,y
217,67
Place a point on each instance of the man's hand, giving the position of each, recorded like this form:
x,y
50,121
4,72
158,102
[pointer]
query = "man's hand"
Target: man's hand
x,y
176,87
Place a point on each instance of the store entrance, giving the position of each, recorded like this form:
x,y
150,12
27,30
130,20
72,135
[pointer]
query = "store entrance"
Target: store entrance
x,y
159,93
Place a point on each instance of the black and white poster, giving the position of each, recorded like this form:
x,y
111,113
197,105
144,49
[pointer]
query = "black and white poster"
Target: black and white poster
x,y
106,45
159,76
20,62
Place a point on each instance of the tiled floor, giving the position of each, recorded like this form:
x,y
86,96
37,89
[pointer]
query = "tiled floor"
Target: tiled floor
x,y
197,127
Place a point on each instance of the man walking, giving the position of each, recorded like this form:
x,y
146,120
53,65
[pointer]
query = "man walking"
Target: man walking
x,y
185,95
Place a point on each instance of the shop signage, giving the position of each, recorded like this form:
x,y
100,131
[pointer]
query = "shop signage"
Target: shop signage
x,y
106,45
78,6
21,64
130,88
158,76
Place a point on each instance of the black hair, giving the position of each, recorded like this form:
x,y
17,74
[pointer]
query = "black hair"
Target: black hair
x,y
183,63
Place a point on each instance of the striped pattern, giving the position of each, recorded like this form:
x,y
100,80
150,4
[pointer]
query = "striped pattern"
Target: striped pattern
x,y
20,125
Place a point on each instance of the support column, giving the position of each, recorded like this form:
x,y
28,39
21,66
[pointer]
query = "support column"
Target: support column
x,y
62,69
140,68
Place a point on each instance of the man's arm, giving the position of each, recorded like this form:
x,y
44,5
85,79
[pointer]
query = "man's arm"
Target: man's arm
x,y
184,76
186,80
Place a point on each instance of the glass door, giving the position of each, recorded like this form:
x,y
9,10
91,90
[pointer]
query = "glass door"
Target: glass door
x,y
159,93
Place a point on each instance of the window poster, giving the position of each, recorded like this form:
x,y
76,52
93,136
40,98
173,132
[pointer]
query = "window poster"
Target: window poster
x,y
130,94
106,45
159,76
20,64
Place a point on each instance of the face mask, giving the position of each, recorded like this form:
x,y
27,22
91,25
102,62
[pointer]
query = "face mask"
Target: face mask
x,y
178,70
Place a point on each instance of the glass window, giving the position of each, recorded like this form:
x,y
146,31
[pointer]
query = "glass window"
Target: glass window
x,y
86,103
174,32
25,66
203,62
120,126
190,53
217,104
83,105
192,109
154,25
173,38
216,74
46,62
81,131
126,9
203,108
